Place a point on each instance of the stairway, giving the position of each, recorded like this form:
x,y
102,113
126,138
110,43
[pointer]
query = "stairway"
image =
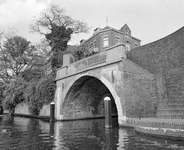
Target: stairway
x,y
173,107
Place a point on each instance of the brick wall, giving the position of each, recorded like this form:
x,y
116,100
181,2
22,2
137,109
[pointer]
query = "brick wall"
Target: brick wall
x,y
164,54
165,59
139,92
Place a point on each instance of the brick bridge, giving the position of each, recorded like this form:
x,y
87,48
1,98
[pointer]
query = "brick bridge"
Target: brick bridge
x,y
82,86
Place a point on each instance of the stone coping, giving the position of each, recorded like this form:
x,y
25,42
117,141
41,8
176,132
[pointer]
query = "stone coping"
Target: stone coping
x,y
168,128
157,120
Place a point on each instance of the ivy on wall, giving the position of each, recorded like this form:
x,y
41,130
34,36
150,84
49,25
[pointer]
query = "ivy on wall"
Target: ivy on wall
x,y
39,93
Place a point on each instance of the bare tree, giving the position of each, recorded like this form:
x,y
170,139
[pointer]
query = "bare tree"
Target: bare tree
x,y
56,16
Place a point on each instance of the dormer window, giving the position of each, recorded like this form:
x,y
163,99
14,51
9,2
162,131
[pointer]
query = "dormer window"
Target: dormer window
x,y
105,41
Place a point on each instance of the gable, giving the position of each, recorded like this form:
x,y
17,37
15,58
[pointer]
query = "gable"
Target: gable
x,y
126,30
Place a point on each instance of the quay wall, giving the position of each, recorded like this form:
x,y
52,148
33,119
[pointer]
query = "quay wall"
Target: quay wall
x,y
22,109
167,128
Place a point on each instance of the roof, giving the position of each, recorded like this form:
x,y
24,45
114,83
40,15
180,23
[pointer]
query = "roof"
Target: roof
x,y
107,28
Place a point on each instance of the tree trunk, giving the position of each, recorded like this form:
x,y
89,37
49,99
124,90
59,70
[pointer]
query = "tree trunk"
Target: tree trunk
x,y
11,111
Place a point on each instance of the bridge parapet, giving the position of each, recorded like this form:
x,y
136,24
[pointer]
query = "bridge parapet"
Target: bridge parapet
x,y
109,55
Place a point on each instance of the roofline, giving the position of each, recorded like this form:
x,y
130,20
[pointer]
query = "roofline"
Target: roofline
x,y
96,34
109,30
136,38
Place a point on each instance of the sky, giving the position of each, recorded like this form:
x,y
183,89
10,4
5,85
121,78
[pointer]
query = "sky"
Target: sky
x,y
149,20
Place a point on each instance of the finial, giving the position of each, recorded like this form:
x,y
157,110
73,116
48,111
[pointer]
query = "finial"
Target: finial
x,y
107,20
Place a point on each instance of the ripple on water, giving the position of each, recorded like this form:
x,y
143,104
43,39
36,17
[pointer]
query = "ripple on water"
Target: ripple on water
x,y
31,134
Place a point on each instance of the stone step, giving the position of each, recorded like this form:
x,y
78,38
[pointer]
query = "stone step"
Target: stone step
x,y
171,106
171,116
173,102
171,111
171,86
173,96
175,92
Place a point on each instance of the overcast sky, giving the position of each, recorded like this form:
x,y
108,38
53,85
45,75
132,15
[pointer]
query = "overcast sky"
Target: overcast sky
x,y
149,20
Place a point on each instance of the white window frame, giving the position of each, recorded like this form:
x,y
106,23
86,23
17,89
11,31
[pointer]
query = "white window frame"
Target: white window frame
x,y
117,41
94,43
127,46
105,41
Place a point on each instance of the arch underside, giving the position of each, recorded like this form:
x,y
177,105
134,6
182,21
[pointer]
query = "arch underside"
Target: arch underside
x,y
84,99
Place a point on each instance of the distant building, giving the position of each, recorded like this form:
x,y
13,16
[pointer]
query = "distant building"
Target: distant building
x,y
108,36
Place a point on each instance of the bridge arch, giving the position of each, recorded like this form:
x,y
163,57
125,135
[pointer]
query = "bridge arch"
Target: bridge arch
x,y
92,89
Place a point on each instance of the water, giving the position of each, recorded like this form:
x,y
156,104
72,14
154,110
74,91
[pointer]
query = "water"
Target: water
x,y
31,134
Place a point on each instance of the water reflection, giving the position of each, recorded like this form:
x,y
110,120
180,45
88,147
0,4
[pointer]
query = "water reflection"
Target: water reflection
x,y
23,134
32,134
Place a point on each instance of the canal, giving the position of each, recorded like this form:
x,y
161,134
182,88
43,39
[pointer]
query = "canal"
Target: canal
x,y
32,134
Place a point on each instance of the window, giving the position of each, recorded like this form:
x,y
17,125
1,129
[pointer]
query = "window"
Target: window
x,y
91,47
126,31
94,44
136,45
127,46
105,42
96,49
117,40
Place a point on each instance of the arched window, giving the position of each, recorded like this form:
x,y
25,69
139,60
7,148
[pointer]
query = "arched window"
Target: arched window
x,y
127,46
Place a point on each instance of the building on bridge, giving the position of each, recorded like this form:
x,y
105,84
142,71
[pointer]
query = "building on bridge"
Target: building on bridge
x,y
108,36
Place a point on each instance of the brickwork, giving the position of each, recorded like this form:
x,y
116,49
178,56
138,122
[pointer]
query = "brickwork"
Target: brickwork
x,y
166,57
139,91
164,54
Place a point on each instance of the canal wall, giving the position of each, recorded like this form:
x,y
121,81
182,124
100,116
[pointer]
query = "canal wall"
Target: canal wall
x,y
167,128
23,109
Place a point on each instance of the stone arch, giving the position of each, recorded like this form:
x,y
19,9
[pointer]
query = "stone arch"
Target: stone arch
x,y
108,85
71,83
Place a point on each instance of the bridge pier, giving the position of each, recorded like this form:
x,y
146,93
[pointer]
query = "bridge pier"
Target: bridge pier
x,y
52,111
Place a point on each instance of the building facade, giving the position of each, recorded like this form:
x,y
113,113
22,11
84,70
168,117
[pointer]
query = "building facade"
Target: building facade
x,y
108,36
